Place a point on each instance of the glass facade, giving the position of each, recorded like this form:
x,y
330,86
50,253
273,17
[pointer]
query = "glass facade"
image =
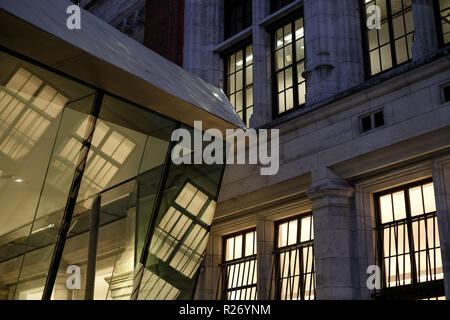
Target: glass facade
x,y
409,251
239,269
391,44
90,196
239,82
288,57
294,259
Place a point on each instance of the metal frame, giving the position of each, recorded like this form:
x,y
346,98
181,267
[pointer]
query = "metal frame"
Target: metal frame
x,y
72,198
290,19
416,289
298,246
235,262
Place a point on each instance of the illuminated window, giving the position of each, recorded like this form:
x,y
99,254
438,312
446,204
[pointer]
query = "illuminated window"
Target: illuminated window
x,y
27,108
238,16
408,248
295,272
443,16
181,236
391,44
276,5
239,269
288,60
239,82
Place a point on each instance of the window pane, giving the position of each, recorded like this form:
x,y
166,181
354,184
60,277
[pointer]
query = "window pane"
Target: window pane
x,y
399,205
428,195
386,209
415,199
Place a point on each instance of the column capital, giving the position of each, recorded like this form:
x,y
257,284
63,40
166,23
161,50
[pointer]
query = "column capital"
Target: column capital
x,y
330,187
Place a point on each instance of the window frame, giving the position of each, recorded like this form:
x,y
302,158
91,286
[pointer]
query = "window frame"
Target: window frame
x,y
415,290
289,19
392,48
227,23
274,5
298,245
223,266
242,46
438,21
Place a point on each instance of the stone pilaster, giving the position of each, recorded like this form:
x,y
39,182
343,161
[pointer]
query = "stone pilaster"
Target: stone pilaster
x,y
208,281
333,47
203,29
265,244
425,41
262,113
441,180
333,212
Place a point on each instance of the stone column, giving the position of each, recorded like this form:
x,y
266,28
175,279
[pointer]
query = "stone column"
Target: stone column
x,y
265,244
208,281
333,47
203,30
425,41
441,180
333,213
262,113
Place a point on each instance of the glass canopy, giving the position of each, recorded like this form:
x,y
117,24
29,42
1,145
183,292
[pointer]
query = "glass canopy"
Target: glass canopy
x,y
92,206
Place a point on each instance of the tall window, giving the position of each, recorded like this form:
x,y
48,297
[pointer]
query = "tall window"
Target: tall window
x,y
276,5
288,56
391,44
238,16
443,15
239,82
239,269
294,259
408,242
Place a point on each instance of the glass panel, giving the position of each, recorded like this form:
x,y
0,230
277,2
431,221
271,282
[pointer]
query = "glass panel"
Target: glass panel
x,y
428,196
282,234
399,205
386,58
238,247
178,244
34,106
386,209
415,200
292,232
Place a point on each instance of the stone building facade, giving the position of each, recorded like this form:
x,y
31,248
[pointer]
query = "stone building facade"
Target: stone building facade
x,y
364,118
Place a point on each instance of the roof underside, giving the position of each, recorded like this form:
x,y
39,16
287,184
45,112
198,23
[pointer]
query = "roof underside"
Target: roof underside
x,y
106,58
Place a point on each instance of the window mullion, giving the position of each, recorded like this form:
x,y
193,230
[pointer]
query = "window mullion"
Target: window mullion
x,y
391,33
294,65
412,250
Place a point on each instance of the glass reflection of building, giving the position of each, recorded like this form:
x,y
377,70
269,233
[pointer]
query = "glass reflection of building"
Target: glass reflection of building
x,y
86,180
